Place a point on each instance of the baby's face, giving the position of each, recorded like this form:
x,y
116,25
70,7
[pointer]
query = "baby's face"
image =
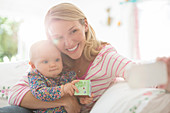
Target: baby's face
x,y
48,61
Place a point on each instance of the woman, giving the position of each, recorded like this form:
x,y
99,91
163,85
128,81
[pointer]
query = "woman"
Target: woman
x,y
91,59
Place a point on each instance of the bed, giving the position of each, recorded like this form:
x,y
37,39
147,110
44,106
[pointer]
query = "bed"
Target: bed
x,y
119,98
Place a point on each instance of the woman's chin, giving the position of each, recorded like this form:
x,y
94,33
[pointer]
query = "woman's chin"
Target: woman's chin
x,y
75,56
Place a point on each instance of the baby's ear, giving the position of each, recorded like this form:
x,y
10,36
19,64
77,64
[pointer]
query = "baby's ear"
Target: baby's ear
x,y
32,65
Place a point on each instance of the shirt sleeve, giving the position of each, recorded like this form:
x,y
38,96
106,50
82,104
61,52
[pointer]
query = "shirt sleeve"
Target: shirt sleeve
x,y
106,67
18,91
109,64
117,64
40,89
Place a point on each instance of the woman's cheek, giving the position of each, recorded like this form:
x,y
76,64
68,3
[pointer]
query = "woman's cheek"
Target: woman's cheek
x,y
59,45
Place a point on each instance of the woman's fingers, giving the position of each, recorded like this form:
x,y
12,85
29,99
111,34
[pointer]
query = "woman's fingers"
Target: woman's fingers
x,y
92,95
167,61
86,100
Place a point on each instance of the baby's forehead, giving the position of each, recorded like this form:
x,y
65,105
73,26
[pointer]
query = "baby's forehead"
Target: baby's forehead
x,y
43,47
47,47
46,53
44,44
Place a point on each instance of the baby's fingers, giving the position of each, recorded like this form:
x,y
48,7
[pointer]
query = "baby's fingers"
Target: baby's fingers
x,y
74,81
75,88
73,84
71,91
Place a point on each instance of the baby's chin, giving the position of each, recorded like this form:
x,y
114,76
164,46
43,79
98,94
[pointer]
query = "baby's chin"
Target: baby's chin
x,y
56,75
53,76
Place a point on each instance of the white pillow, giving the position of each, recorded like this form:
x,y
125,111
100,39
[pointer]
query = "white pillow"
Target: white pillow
x,y
120,98
10,73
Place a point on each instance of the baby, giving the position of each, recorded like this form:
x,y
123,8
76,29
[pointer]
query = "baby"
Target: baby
x,y
47,80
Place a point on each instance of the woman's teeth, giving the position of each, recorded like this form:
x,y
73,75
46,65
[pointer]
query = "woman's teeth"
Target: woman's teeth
x,y
72,49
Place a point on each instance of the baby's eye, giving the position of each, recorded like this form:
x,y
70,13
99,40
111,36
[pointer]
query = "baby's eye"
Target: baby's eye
x,y
57,59
45,62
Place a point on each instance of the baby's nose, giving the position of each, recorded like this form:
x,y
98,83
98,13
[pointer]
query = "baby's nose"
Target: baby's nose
x,y
53,65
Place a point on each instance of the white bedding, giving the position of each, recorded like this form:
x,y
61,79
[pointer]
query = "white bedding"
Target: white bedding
x,y
120,98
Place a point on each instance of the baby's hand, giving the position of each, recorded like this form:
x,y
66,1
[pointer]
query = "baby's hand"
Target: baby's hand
x,y
86,100
69,88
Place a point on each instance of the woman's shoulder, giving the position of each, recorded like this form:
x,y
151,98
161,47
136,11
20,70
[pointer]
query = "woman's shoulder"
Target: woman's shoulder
x,y
106,48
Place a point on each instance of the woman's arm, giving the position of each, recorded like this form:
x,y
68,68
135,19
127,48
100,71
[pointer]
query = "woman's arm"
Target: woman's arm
x,y
21,95
69,102
29,101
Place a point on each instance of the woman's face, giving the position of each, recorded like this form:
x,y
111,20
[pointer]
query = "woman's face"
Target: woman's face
x,y
69,37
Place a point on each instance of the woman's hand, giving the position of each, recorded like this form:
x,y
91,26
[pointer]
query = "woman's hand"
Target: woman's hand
x,y
166,60
71,105
86,99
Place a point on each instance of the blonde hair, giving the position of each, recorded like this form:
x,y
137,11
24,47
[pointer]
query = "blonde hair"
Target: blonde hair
x,y
69,12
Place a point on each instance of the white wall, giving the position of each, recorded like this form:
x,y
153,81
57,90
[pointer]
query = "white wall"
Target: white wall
x,y
154,25
33,12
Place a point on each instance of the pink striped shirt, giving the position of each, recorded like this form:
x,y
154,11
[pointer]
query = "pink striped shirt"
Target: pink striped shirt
x,y
107,65
104,69
18,91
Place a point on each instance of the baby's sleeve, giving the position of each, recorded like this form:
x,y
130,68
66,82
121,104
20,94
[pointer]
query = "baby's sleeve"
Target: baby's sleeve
x,y
40,89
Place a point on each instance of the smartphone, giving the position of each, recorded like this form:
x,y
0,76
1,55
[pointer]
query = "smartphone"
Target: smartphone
x,y
144,75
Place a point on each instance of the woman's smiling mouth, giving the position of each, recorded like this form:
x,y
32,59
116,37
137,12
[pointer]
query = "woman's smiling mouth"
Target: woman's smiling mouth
x,y
73,49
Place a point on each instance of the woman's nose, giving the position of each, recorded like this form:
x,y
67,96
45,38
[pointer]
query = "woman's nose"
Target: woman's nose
x,y
68,42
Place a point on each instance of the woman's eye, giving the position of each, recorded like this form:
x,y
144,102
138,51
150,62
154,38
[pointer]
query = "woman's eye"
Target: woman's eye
x,y
57,38
55,41
57,60
74,31
45,62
